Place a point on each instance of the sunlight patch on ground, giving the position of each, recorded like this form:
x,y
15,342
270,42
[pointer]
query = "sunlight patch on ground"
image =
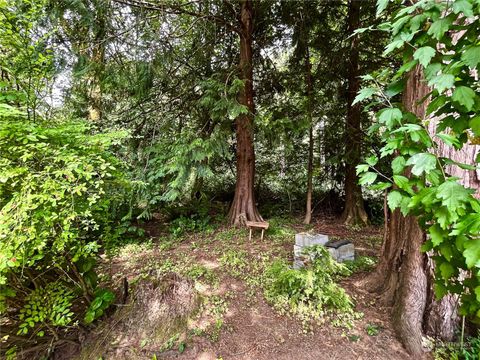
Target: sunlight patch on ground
x,y
210,264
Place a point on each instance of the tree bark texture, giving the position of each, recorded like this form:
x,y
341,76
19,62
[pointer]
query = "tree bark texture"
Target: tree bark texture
x,y
244,207
466,155
354,211
404,275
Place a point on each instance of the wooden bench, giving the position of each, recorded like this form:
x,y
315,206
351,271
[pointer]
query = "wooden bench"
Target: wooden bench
x,y
256,225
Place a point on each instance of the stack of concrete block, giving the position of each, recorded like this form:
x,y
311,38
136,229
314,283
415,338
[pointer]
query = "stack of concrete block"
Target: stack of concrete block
x,y
341,250
302,241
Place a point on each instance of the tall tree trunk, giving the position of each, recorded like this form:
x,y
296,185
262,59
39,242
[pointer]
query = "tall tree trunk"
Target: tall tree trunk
x,y
95,92
243,207
404,276
354,212
309,83
97,61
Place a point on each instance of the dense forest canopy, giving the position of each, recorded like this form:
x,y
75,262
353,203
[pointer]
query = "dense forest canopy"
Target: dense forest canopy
x,y
122,116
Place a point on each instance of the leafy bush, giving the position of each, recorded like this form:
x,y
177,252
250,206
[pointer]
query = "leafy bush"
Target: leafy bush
x,y
311,293
361,264
50,305
61,192
184,224
453,351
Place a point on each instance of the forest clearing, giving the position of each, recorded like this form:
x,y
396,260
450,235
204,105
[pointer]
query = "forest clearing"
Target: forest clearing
x,y
239,179
235,320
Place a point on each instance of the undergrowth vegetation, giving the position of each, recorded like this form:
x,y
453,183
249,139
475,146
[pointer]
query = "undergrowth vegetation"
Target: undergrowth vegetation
x,y
311,293
62,195
470,350
140,139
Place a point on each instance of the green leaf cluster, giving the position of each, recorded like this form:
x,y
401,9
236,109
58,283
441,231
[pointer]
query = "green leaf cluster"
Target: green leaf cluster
x,y
61,196
46,308
311,293
440,40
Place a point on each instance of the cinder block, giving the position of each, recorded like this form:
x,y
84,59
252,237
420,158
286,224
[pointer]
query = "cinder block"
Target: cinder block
x,y
297,264
297,250
341,250
304,239
333,252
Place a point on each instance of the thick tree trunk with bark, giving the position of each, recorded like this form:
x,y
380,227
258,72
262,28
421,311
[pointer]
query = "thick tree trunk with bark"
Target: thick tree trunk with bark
x,y
309,83
354,212
404,275
243,207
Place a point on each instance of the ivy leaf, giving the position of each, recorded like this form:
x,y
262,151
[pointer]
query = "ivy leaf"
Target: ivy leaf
x,y
446,251
424,55
439,28
390,116
363,94
440,290
381,6
453,195
477,293
450,140
442,82
475,125
371,160
362,168
436,234
395,88
396,44
401,182
470,223
398,164
464,96
381,186
422,162
394,199
471,56
462,7
447,270
472,253
367,178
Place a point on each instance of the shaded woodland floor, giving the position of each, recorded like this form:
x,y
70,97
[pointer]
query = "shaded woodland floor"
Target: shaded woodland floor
x,y
232,320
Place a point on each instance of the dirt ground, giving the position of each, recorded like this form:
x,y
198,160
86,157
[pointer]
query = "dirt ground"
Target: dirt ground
x,y
238,323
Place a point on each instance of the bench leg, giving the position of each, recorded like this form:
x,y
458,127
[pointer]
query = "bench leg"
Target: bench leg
x,y
250,236
262,234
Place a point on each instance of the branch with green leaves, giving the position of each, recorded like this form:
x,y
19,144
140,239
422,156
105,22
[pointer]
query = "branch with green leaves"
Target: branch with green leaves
x,y
441,38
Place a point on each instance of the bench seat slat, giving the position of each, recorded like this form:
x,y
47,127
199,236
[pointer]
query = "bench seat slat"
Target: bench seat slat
x,y
257,224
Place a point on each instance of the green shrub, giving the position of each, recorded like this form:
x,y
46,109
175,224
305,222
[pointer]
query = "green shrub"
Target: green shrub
x,y
50,306
311,293
361,264
184,224
61,192
453,351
